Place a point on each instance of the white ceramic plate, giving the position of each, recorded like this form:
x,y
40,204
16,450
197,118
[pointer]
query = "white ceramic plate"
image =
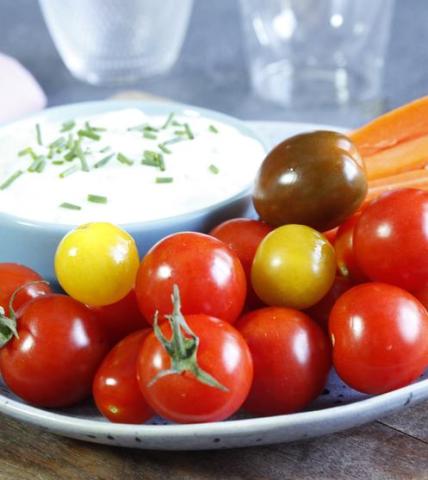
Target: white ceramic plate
x,y
338,408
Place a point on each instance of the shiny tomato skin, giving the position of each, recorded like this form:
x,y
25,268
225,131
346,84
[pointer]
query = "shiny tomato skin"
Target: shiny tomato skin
x,y
391,239
116,391
243,236
291,357
345,256
54,360
209,275
380,337
321,311
182,398
294,267
121,318
14,276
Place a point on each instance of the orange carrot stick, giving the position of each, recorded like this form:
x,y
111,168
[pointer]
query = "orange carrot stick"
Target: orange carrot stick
x,y
400,125
415,179
409,155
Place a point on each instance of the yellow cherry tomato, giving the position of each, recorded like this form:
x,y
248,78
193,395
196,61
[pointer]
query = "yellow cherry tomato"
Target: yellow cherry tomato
x,y
97,263
294,266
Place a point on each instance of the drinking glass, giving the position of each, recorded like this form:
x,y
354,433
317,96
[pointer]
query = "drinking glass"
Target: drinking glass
x,y
117,41
309,53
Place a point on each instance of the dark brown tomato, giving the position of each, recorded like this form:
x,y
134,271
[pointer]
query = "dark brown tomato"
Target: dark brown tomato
x,y
315,179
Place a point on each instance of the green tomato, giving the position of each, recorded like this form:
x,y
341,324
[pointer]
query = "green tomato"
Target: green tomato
x,y
294,266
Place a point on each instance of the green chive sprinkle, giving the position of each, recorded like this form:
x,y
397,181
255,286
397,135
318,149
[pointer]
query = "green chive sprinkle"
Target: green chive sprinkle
x,y
97,198
94,129
149,162
150,128
39,134
173,140
67,126
213,129
161,162
105,149
149,135
70,206
69,171
103,161
168,121
38,164
26,151
41,165
89,134
214,169
82,158
189,131
58,162
124,159
59,142
176,124
11,179
164,180
70,141
163,148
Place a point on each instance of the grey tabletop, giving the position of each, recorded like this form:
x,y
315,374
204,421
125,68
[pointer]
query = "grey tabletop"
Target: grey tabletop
x,y
211,71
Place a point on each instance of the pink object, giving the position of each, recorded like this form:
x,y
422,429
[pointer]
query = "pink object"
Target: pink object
x,y
20,94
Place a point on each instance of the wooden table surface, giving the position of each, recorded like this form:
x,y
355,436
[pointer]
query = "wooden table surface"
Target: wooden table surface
x,y
393,448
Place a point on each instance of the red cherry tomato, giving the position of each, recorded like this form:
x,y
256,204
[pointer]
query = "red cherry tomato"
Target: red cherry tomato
x,y
243,236
54,360
321,311
208,381
346,262
380,337
210,277
116,391
291,357
13,276
330,235
391,239
120,319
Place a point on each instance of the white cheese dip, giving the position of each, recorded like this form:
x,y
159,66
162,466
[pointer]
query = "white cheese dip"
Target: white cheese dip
x,y
123,167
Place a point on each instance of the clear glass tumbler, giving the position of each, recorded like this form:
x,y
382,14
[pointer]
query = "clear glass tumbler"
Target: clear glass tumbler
x,y
314,53
117,41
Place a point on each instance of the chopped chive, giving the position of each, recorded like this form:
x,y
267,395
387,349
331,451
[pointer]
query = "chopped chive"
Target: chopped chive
x,y
94,129
11,179
71,155
173,140
149,135
188,131
81,157
168,121
70,141
39,134
41,165
150,128
176,124
97,198
26,151
38,164
149,162
50,153
69,171
124,159
70,206
89,134
213,129
58,162
59,142
163,148
161,162
180,132
137,128
103,161
214,169
67,126
164,180
105,149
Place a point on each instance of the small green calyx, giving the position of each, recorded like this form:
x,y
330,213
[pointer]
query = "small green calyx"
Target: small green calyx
x,y
7,326
182,349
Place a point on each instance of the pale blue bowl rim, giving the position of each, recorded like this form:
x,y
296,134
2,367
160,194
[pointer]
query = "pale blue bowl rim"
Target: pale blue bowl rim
x,y
65,112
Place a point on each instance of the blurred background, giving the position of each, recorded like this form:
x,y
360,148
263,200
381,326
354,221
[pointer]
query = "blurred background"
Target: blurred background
x,y
213,67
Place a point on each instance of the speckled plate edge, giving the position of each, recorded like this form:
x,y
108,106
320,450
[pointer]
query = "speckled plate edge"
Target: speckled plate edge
x,y
228,434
